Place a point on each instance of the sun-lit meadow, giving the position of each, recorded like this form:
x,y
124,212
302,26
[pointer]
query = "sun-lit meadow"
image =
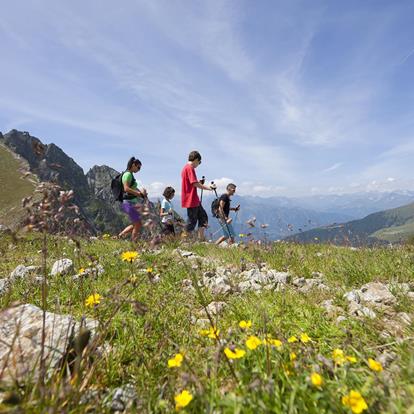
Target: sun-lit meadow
x,y
269,351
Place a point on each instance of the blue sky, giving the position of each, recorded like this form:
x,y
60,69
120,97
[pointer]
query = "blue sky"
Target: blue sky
x,y
281,97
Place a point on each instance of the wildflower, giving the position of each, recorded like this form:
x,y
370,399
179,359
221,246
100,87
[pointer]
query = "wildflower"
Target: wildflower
x,y
212,333
287,370
182,399
374,365
338,356
106,236
81,270
129,256
274,342
252,342
316,379
292,339
133,279
176,361
245,324
292,356
150,269
93,300
355,401
241,235
351,359
236,354
305,338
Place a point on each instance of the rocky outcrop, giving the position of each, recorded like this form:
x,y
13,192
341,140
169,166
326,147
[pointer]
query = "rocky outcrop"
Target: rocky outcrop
x,y
99,179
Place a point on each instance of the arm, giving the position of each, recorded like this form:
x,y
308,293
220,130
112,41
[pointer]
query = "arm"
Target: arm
x,y
202,186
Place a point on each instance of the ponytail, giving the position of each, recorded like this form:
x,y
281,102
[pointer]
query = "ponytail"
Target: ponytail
x,y
133,161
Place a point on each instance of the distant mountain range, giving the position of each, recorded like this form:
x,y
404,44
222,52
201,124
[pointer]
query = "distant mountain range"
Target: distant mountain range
x,y
276,217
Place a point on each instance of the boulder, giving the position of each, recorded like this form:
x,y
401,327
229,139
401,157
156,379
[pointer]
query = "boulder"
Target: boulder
x,y
21,333
124,398
22,272
376,293
62,267
4,286
215,308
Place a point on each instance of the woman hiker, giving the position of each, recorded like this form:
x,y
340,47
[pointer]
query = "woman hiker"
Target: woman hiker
x,y
130,204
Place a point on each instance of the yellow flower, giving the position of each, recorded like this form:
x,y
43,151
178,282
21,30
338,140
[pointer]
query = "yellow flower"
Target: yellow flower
x,y
270,341
355,402
106,236
374,365
150,269
292,339
305,338
245,324
236,354
129,256
241,235
81,270
316,379
287,370
252,342
93,300
351,359
182,399
176,361
212,332
338,356
292,356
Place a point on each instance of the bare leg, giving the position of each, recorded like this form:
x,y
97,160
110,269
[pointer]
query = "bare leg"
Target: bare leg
x,y
126,230
135,231
201,235
220,240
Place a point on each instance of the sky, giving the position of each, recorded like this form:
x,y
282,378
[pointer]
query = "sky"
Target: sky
x,y
281,97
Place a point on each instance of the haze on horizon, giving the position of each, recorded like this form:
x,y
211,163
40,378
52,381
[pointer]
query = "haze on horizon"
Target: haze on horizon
x,y
279,97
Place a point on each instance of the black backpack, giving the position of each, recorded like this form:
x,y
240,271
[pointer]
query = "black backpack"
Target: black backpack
x,y
215,208
117,188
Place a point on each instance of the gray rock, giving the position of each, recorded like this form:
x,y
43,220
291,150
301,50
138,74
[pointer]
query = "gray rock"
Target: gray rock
x,y
21,333
376,293
215,308
62,267
4,286
124,398
4,229
299,282
22,272
330,308
340,319
386,358
352,296
279,277
356,309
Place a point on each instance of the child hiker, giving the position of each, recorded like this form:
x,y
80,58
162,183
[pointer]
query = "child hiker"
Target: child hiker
x,y
223,214
167,212
189,197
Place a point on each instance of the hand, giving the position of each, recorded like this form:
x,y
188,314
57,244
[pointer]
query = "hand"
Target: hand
x,y
229,220
144,193
237,208
213,186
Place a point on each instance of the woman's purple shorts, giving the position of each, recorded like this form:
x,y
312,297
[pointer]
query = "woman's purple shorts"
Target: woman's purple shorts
x,y
131,210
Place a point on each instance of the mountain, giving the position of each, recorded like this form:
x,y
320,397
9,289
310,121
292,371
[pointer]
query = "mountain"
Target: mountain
x,y
393,225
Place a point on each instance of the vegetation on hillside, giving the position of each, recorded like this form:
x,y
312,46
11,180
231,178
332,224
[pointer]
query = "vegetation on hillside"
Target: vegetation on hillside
x,y
269,351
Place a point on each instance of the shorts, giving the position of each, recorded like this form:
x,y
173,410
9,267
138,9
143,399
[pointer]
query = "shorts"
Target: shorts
x,y
131,210
167,228
227,229
196,214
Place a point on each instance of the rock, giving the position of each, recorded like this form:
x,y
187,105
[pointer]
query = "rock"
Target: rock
x,y
330,308
357,309
4,286
376,293
352,296
299,282
22,272
4,229
62,267
215,308
405,318
21,332
124,398
410,295
279,277
340,319
184,253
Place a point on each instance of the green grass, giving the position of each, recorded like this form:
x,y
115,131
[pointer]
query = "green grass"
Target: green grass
x,y
264,380
13,188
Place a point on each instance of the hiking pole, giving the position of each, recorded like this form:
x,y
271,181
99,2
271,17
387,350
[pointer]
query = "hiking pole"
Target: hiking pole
x,y
225,221
202,181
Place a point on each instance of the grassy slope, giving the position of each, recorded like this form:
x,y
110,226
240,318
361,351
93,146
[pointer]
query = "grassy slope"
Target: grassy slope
x,y
266,379
13,188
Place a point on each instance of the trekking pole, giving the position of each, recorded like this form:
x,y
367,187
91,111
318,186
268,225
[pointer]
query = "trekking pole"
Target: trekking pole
x,y
202,181
225,221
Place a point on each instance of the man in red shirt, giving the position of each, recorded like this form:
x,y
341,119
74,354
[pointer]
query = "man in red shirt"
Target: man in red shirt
x,y
189,196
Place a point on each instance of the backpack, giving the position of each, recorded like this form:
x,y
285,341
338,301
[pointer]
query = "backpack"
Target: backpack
x,y
117,188
215,208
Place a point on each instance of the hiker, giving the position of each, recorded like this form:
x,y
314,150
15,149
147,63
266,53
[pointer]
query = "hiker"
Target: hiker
x,y
167,212
223,212
130,205
189,197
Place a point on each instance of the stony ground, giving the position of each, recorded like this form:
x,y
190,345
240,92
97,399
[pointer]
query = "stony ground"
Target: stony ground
x,y
197,328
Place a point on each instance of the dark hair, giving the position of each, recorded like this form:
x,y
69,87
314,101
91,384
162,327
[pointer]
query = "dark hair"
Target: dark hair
x,y
168,192
231,185
133,161
194,155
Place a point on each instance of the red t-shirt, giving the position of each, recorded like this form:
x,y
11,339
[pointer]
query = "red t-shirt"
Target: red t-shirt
x,y
189,196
